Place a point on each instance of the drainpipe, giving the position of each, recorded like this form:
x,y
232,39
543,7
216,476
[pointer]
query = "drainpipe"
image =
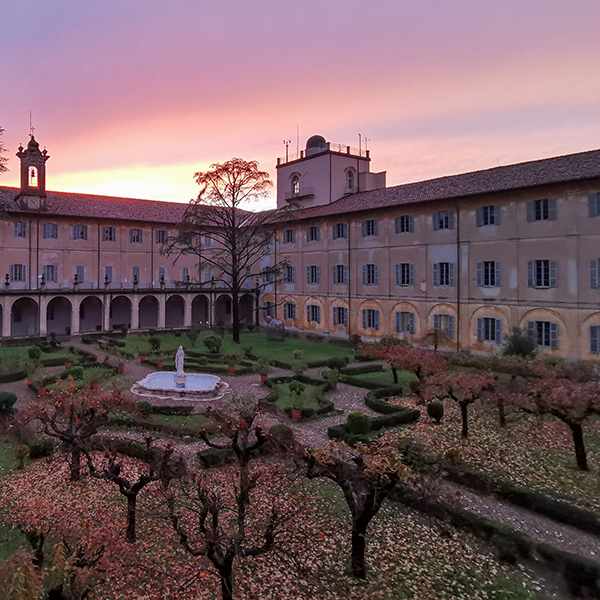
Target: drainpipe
x,y
349,283
458,281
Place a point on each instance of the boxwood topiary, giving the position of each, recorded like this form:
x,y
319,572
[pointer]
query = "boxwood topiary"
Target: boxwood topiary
x,y
7,401
435,410
145,408
358,423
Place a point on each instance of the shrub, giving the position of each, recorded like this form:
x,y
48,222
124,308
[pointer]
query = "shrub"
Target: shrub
x,y
213,343
40,448
124,330
202,360
355,341
154,344
282,433
297,388
337,362
7,401
192,336
145,408
297,354
520,342
215,457
299,367
34,353
152,332
251,327
358,422
76,372
247,349
435,410
21,453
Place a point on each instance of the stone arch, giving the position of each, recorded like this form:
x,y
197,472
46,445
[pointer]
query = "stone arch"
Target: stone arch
x,y
263,312
120,312
90,314
334,321
59,314
223,309
367,316
448,325
320,313
487,312
405,322
200,311
247,309
24,317
290,300
174,311
587,349
548,315
148,309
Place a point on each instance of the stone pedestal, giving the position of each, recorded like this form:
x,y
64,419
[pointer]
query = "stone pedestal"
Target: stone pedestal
x,y
180,380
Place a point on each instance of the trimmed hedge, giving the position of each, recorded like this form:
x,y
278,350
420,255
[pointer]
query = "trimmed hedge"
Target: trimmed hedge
x,y
12,376
361,369
325,405
374,399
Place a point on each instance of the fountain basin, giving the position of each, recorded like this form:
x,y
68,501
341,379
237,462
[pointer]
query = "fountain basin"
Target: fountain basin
x,y
198,385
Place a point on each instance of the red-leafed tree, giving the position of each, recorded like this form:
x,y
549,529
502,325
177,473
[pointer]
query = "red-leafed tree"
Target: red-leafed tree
x,y
367,475
422,363
72,416
464,389
570,401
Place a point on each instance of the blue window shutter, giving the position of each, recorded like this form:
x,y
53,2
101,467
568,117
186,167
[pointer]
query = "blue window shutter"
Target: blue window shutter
x,y
334,232
552,211
594,274
17,223
293,275
594,345
435,221
335,274
130,235
398,321
363,226
376,227
499,331
436,274
479,216
12,272
411,322
376,274
553,335
451,326
80,274
450,219
335,316
411,224
397,225
376,319
479,329
364,318
531,326
451,274
45,272
364,274
308,312
318,314
318,234
308,275
497,215
411,274
498,273
436,322
398,275
479,276
593,205
24,271
55,230
553,273
318,275
530,211
530,274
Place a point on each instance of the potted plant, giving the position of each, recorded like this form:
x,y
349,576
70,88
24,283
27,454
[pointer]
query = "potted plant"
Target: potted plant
x,y
142,357
296,392
67,365
121,368
231,362
296,413
41,391
106,359
159,364
262,367
95,385
333,376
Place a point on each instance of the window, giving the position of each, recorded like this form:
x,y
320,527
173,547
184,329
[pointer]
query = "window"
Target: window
x,y
80,274
489,330
489,274
20,229
594,204
370,227
267,277
340,274
79,232
594,273
541,210
135,274
313,313
50,231
136,236
50,273
370,274
289,310
208,240
312,234
444,323
161,274
340,230
161,236
487,215
545,332
405,274
595,339
340,315
289,274
108,274
405,322
370,318
289,236
185,274
207,274
295,185
109,234
349,180
404,224
313,275
269,309
443,220
18,272
542,273
443,274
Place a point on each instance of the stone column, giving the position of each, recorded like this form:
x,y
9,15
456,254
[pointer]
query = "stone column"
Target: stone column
x,y
6,310
162,311
43,310
135,312
187,311
75,316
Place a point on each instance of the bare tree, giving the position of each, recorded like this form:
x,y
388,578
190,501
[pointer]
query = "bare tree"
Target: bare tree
x,y
220,229
3,159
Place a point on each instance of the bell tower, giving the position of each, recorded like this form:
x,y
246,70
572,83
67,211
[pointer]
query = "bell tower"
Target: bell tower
x,y
32,194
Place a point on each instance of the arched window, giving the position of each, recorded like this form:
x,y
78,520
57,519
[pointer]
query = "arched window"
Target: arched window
x,y
33,177
295,185
349,180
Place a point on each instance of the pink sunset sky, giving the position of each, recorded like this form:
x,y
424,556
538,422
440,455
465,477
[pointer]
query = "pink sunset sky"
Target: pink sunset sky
x,y
131,97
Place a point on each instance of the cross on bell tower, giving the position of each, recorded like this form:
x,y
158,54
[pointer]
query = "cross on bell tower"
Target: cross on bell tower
x,y
33,175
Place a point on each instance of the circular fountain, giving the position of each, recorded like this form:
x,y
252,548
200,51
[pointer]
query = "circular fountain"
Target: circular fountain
x,y
191,386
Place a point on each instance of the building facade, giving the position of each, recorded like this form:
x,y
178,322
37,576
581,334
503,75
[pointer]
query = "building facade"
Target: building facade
x,y
459,260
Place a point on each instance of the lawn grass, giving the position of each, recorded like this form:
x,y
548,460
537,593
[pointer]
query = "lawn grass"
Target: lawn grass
x,y
385,378
304,401
194,422
261,347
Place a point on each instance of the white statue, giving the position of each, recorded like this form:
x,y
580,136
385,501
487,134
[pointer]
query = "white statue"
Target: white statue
x,y
179,360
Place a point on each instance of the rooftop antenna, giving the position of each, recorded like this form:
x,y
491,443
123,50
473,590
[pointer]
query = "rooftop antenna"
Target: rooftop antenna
x,y
31,127
359,143
287,143
366,141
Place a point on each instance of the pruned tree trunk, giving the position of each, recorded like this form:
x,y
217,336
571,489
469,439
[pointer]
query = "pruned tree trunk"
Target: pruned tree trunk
x,y
359,531
235,316
395,375
501,412
465,418
75,464
131,513
226,575
580,455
